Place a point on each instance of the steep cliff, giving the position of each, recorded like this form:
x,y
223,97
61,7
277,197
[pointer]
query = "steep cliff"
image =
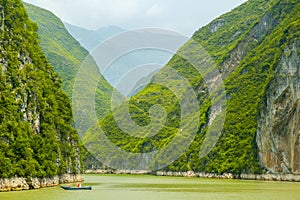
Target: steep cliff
x,y
278,134
37,139
255,48
256,58
66,56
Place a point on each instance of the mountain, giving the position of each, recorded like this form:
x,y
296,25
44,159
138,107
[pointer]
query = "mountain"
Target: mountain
x,y
124,65
67,56
90,39
62,50
37,138
140,63
256,49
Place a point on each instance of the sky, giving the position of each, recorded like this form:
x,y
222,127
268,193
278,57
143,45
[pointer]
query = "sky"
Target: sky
x,y
182,16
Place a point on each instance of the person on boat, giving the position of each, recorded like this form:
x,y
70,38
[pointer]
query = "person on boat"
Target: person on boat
x,y
79,185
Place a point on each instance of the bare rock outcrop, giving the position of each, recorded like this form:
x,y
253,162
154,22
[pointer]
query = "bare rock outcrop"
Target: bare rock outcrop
x,y
278,133
18,184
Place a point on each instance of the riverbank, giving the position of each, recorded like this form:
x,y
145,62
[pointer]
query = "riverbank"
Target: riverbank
x,y
261,177
18,184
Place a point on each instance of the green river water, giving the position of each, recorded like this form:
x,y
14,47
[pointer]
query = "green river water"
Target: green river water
x,y
142,187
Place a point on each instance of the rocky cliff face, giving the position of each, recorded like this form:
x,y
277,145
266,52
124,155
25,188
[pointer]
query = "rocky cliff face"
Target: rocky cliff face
x,y
36,134
18,184
264,27
278,133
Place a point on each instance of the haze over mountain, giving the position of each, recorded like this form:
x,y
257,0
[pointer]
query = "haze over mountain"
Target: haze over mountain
x,y
122,67
181,16
90,39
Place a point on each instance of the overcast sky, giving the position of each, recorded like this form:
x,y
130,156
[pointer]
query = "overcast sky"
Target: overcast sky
x,y
183,16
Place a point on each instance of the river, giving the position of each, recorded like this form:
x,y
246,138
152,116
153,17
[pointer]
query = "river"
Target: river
x,y
146,187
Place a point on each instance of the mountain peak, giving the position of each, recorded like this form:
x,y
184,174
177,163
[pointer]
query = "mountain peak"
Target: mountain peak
x,y
90,39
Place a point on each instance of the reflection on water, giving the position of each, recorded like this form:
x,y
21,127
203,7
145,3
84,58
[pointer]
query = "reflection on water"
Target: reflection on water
x,y
131,187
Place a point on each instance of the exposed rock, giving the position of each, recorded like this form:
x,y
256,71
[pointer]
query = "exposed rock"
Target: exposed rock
x,y
266,177
5,185
189,174
34,183
70,178
278,133
216,25
13,184
267,23
18,184
111,171
248,176
263,177
194,174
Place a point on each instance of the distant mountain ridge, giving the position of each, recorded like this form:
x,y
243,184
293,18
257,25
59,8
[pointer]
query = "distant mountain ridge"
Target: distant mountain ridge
x,y
121,67
90,39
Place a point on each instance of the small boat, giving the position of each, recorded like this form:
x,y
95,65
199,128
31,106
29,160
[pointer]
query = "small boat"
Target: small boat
x,y
76,188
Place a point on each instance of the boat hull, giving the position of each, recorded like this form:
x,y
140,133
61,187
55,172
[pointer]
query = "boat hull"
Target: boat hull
x,y
76,188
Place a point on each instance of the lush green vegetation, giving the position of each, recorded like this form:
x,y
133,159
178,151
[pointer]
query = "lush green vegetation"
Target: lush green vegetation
x,y
245,85
36,134
66,55
245,89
